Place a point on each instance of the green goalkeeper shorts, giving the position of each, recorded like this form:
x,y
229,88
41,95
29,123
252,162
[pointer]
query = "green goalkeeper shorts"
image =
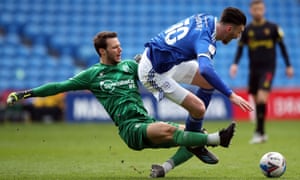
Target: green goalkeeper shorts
x,y
134,133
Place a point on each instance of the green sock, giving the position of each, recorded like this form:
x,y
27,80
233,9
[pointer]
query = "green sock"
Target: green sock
x,y
187,138
181,155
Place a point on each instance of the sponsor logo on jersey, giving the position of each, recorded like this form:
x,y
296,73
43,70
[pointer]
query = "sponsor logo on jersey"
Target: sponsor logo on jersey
x,y
109,86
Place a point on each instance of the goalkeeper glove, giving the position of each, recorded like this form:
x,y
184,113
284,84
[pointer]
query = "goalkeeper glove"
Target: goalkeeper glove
x,y
16,96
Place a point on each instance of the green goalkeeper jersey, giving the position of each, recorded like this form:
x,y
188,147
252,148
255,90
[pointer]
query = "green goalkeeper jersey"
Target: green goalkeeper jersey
x,y
115,87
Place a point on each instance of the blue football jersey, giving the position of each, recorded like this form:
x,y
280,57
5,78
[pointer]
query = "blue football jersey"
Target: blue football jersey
x,y
184,41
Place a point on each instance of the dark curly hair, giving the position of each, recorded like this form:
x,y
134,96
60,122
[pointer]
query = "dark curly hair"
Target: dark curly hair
x,y
234,16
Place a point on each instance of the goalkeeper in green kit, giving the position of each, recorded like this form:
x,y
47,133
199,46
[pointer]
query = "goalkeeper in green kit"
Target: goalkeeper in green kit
x,y
115,84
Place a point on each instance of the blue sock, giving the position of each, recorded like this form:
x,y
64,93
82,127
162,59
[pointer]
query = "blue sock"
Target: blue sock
x,y
205,95
192,124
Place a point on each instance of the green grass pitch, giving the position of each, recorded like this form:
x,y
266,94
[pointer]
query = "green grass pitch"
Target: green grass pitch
x,y
95,151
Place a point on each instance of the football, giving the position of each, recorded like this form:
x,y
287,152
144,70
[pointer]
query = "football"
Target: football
x,y
272,164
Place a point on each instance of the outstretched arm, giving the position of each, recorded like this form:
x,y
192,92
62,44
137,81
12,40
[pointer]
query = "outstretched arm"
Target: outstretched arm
x,y
207,71
78,82
43,91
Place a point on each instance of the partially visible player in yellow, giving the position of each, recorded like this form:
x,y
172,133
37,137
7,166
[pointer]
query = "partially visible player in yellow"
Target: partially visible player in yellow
x,y
261,37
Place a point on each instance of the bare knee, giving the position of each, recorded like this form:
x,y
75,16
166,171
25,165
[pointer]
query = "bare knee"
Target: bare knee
x,y
194,105
160,132
199,111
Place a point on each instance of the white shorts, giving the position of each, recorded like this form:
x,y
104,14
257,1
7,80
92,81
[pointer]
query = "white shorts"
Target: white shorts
x,y
167,83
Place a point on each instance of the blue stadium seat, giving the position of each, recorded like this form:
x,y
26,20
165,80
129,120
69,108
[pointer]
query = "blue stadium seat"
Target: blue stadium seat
x,y
67,27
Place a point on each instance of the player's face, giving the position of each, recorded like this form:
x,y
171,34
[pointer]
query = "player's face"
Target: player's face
x,y
257,11
232,32
112,54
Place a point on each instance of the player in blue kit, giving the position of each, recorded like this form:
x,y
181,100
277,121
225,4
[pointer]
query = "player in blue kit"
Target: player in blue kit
x,y
114,82
183,53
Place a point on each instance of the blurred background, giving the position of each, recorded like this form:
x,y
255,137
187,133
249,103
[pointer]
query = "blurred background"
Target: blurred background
x,y
51,40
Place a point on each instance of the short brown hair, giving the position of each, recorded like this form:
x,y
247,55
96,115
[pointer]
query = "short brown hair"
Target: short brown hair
x,y
100,40
256,2
233,16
